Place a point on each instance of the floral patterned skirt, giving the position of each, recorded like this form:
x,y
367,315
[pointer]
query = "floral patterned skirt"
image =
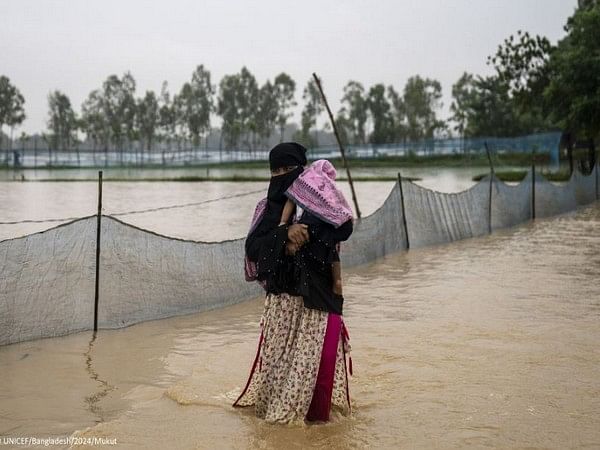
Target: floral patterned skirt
x,y
288,363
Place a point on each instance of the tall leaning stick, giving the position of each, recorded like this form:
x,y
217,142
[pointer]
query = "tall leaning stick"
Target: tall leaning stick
x,y
339,141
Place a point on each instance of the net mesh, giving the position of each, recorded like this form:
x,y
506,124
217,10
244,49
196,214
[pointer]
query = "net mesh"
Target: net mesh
x,y
47,282
435,217
367,243
511,204
47,279
144,275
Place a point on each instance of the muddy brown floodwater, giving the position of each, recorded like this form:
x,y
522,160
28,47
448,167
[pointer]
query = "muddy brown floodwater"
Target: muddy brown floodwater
x,y
491,342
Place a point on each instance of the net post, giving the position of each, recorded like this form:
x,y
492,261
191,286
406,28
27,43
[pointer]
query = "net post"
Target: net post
x,y
99,218
403,210
533,190
597,169
487,150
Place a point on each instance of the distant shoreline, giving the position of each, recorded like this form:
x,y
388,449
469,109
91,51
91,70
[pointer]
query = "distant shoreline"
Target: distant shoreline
x,y
455,160
515,176
194,179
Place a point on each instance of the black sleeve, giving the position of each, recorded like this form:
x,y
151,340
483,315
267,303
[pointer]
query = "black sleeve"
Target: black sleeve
x,y
329,235
343,232
266,247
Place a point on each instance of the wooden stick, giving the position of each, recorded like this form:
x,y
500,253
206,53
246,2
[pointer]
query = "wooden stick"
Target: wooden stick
x,y
99,217
339,141
533,158
533,189
487,150
597,167
403,210
491,182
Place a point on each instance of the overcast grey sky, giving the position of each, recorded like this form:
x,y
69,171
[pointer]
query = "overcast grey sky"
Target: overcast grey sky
x,y
74,45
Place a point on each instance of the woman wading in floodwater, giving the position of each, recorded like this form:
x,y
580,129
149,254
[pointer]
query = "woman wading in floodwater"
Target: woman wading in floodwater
x,y
299,372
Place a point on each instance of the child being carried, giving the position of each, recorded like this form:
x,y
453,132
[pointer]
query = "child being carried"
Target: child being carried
x,y
329,217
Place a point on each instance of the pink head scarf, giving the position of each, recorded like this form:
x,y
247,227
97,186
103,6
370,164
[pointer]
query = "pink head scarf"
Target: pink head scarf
x,y
315,191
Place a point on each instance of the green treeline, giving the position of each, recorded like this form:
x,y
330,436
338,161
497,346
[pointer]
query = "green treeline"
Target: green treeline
x,y
536,86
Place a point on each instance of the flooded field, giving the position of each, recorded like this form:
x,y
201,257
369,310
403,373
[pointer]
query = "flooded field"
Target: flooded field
x,y
213,221
466,171
490,342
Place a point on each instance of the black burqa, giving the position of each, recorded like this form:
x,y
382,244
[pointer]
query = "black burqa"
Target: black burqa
x,y
308,273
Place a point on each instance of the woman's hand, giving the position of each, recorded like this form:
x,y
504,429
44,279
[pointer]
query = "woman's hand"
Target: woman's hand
x,y
298,234
291,248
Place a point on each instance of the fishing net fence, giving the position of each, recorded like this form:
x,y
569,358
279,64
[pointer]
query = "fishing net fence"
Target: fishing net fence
x,y
48,278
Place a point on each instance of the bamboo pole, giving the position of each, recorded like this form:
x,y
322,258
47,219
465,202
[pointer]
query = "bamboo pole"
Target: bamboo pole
x,y
403,210
487,150
99,218
533,190
597,169
339,141
533,183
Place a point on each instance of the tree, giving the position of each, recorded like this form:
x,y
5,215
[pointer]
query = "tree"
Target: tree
x,y
12,112
248,100
462,96
119,108
196,100
490,110
573,92
398,115
129,107
557,84
228,109
285,88
237,103
62,122
94,122
522,64
312,109
381,115
344,126
354,102
167,117
179,121
267,111
148,120
422,97
109,113
483,106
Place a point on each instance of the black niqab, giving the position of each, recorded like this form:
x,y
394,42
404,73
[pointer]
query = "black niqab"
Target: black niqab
x,y
276,197
287,154
282,155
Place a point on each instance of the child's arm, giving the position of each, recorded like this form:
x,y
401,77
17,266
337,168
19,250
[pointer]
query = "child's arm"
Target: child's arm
x,y
288,210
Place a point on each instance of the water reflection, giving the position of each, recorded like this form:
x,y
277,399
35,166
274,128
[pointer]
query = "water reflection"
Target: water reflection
x,y
93,400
